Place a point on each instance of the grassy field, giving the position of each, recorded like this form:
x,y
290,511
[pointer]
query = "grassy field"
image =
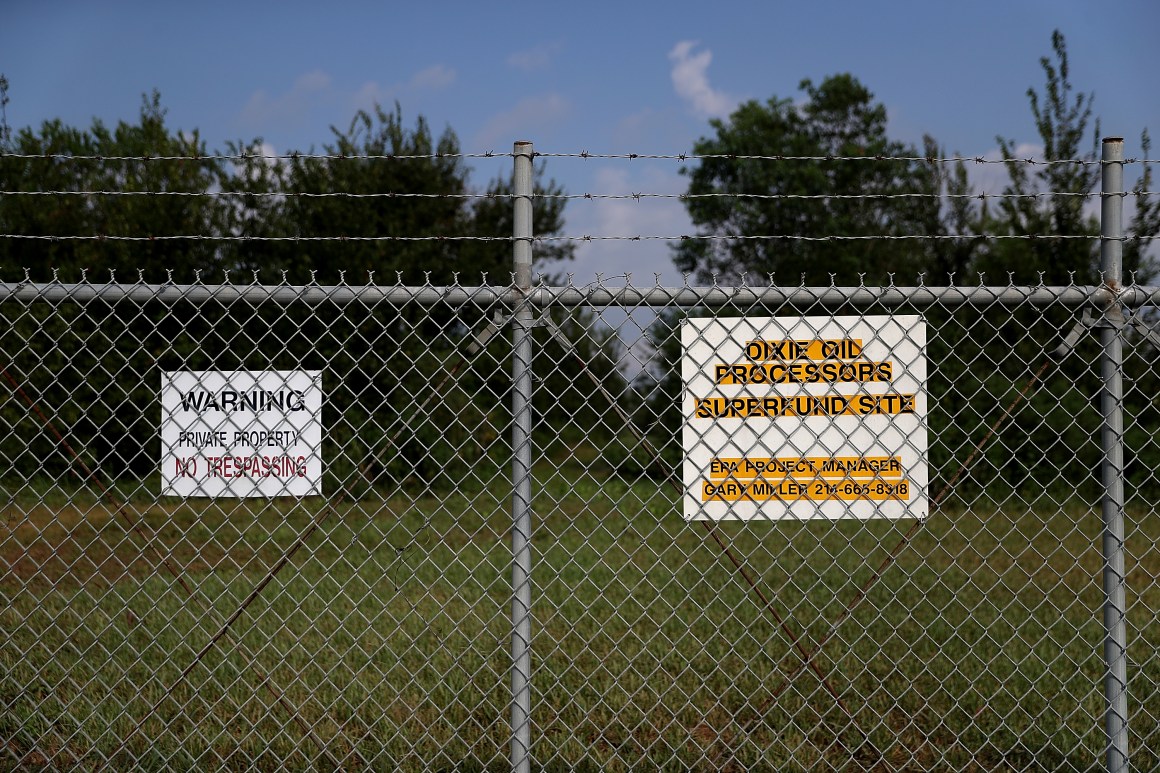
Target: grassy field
x,y
388,636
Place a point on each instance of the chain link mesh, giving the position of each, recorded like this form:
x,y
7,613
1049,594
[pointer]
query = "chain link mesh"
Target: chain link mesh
x,y
368,627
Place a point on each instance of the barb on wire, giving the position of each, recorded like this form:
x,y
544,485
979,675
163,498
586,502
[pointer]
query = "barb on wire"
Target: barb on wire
x,y
562,196
814,196
244,238
834,238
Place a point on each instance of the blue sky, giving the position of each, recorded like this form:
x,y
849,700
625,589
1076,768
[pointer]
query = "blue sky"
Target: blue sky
x,y
596,76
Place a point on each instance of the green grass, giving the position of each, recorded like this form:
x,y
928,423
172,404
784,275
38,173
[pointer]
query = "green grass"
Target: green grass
x,y
388,634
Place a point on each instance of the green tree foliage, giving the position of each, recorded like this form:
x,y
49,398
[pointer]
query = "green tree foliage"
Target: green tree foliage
x,y
659,414
71,209
92,369
401,356
96,369
839,118
1054,196
1048,442
979,361
417,231
1062,119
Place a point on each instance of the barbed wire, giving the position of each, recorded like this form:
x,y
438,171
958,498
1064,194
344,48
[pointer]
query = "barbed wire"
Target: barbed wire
x,y
246,238
589,196
242,157
907,159
584,155
835,238
266,194
835,196
575,238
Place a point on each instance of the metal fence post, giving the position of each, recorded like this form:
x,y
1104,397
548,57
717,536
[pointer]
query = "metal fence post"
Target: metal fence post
x,y
522,465
1112,440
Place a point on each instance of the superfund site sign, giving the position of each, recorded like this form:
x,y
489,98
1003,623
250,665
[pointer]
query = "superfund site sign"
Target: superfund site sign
x,y
805,417
241,433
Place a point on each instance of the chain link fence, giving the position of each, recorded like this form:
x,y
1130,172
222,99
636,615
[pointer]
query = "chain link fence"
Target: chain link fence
x,y
368,626
373,527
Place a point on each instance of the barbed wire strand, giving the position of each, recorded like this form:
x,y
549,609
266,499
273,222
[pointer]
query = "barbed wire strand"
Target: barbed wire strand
x,y
907,159
575,196
584,155
209,157
585,238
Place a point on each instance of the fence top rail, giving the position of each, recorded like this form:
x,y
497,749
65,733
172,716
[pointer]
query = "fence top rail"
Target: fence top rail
x,y
1071,296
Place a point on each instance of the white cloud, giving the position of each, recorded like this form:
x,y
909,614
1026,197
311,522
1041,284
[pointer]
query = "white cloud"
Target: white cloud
x,y
311,82
372,93
308,91
618,262
627,217
991,178
691,81
534,58
530,115
437,76
267,165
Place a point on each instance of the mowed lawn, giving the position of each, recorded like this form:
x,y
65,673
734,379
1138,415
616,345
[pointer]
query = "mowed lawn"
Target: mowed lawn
x,y
383,643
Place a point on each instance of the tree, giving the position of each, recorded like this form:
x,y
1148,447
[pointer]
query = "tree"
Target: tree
x,y
79,197
1047,199
95,367
92,368
418,230
1139,259
400,354
838,119
1052,198
978,360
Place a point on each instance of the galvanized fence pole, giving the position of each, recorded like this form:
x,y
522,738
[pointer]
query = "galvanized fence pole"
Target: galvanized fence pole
x,y
1112,440
522,464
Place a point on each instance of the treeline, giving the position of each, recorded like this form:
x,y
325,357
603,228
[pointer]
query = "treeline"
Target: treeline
x,y
411,402
979,361
867,184
408,400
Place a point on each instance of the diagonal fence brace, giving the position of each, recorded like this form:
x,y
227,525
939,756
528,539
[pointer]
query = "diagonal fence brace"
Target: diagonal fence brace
x,y
1069,342
1112,318
1146,331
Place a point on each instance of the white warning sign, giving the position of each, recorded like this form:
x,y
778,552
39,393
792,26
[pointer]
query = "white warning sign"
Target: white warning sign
x,y
241,433
804,417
